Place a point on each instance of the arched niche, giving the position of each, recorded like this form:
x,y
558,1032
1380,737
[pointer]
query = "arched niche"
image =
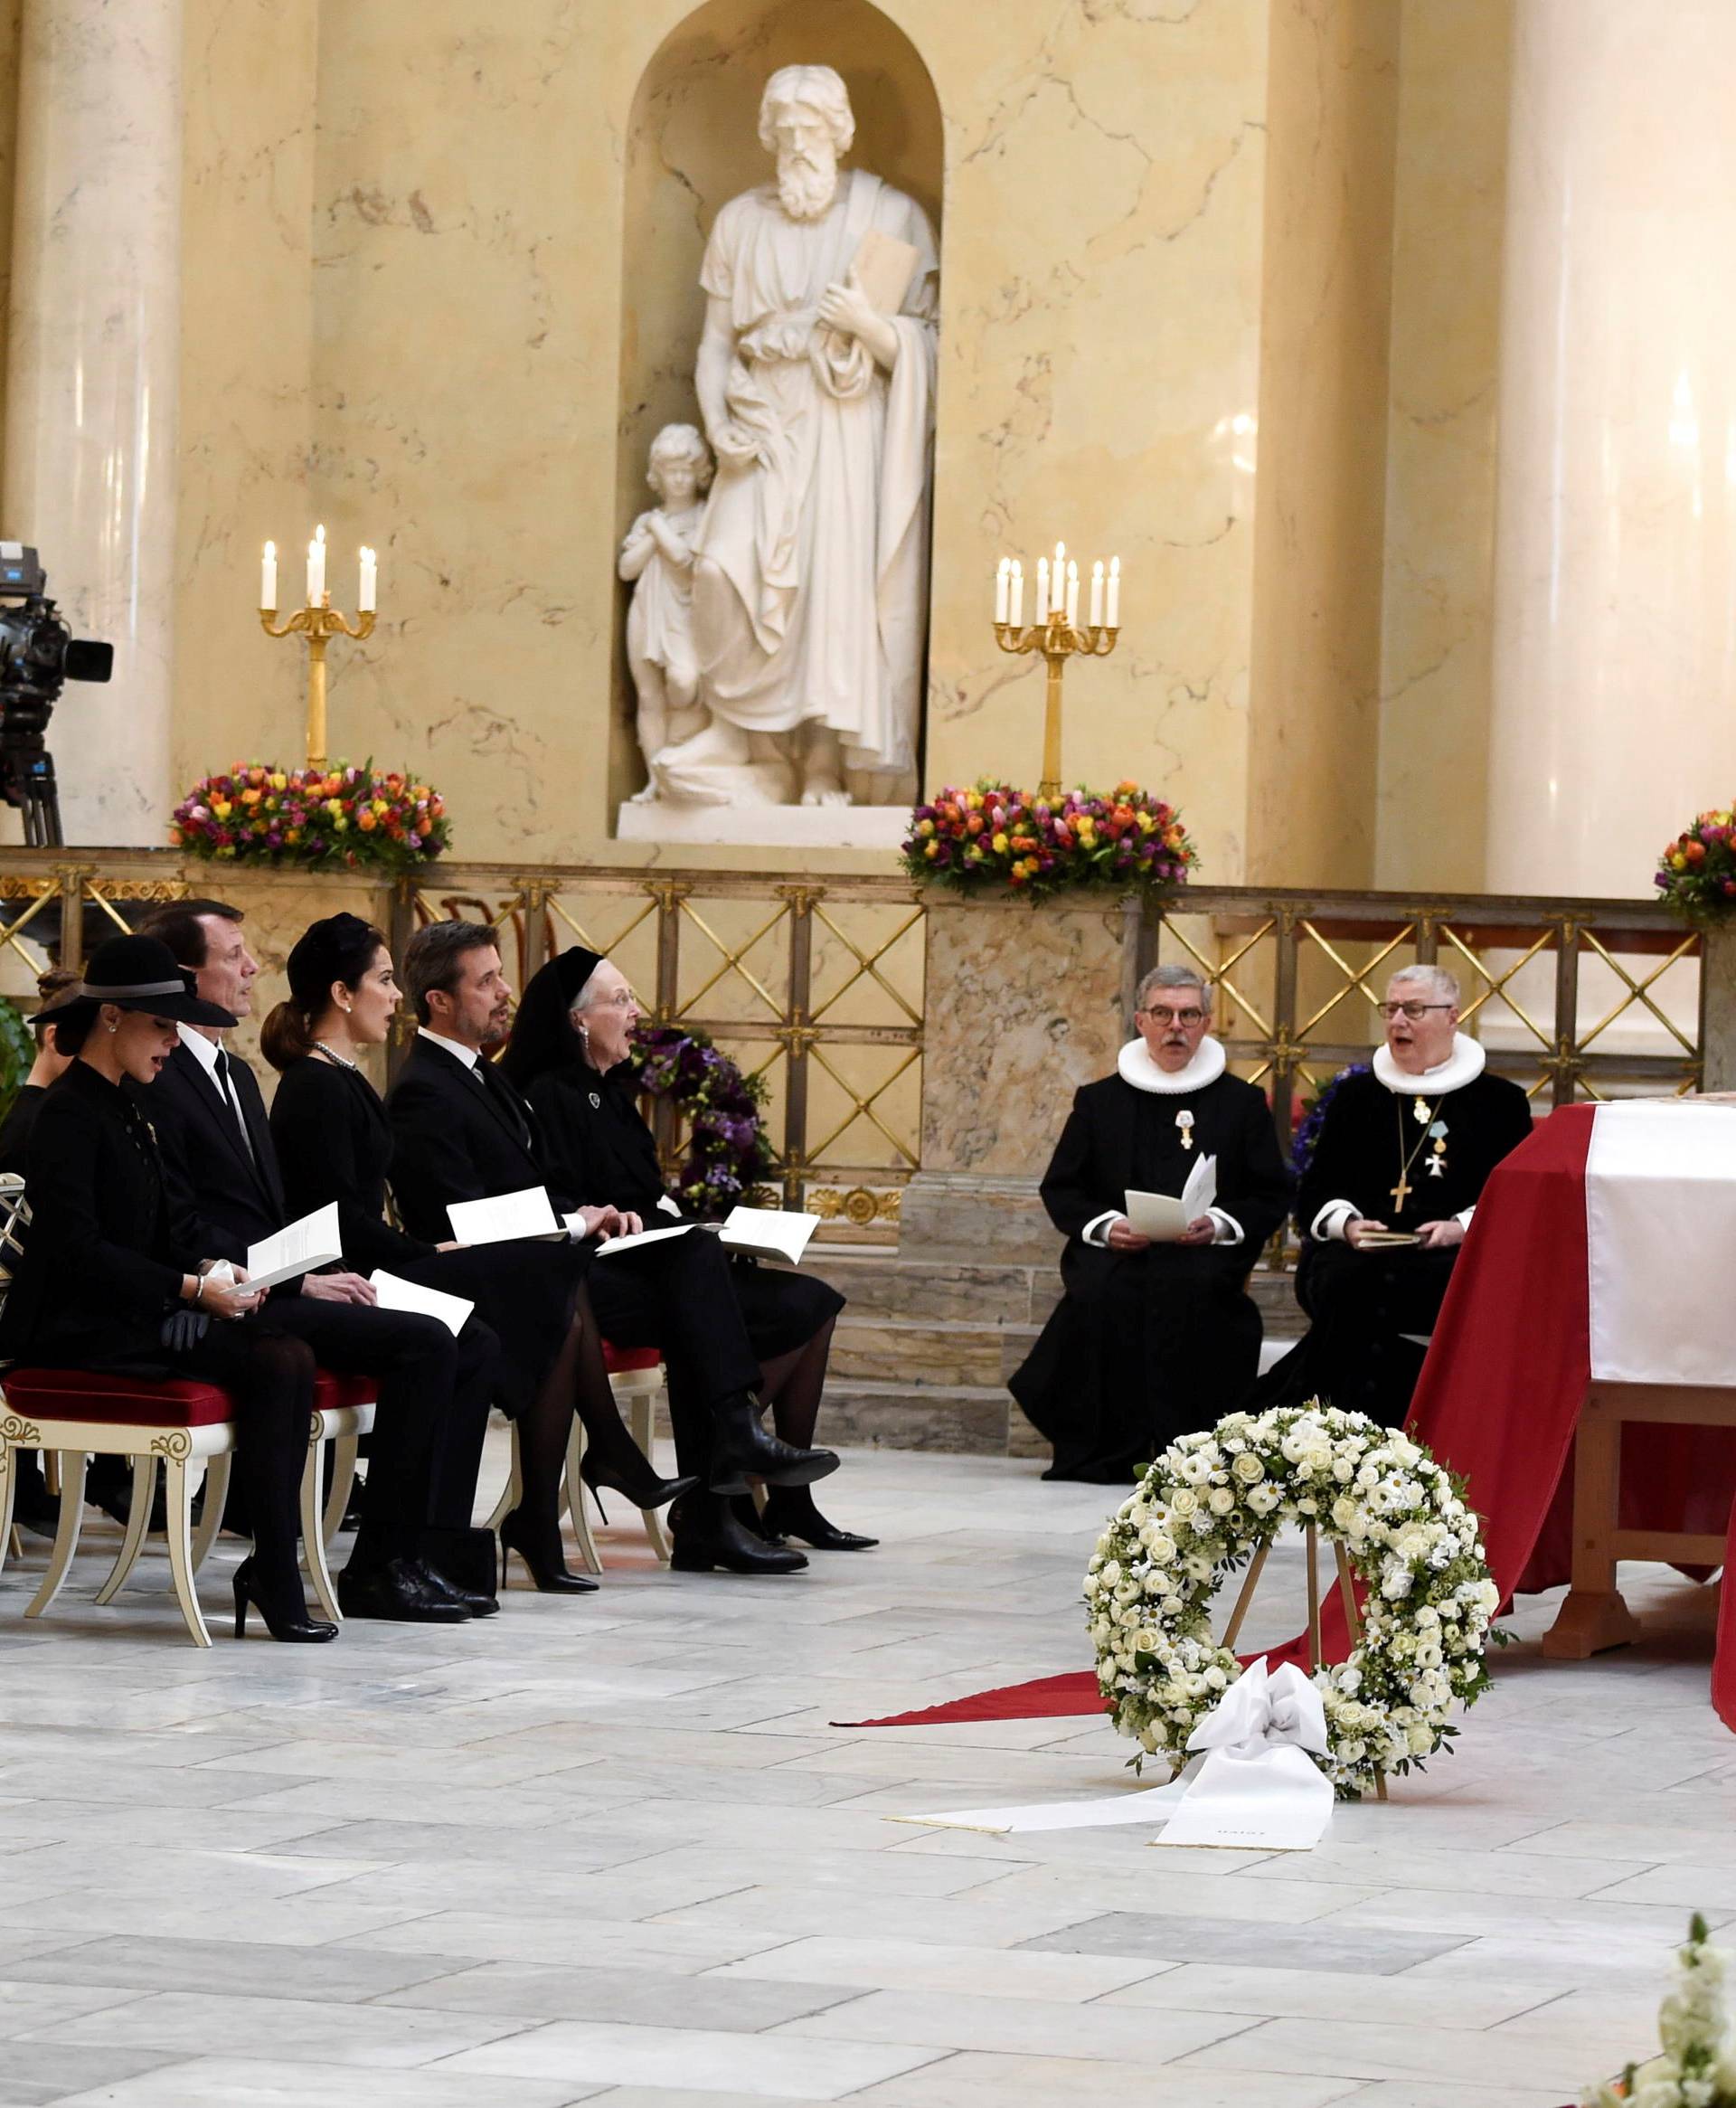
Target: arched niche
x,y
692,144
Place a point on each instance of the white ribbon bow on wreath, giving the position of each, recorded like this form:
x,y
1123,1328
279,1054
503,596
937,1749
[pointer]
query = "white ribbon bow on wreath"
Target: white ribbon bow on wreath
x,y
1250,1782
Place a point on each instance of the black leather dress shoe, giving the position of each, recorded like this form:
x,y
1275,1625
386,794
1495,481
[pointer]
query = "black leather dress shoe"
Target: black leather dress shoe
x,y
705,1534
470,1600
400,1592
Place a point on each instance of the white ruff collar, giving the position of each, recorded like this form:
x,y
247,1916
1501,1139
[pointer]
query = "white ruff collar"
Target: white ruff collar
x,y
1463,1065
1136,1067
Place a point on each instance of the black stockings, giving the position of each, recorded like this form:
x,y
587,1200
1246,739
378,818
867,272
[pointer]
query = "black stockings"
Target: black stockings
x,y
791,1384
577,1383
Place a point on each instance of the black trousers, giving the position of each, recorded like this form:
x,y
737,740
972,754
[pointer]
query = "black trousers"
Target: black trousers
x,y
677,1296
431,1412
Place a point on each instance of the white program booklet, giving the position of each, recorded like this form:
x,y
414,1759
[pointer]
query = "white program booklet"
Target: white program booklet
x,y
769,1233
303,1248
503,1217
640,1238
395,1293
1162,1217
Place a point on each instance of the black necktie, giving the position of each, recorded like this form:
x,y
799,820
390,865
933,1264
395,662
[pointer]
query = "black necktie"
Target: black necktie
x,y
227,1089
483,1071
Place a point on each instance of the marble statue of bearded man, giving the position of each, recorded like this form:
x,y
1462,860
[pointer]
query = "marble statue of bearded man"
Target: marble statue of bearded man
x,y
810,576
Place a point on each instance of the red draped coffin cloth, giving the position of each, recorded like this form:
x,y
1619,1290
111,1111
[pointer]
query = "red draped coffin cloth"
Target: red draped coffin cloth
x,y
1500,1394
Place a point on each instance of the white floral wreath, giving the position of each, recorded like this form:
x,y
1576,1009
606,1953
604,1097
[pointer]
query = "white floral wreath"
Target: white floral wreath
x,y
1212,1500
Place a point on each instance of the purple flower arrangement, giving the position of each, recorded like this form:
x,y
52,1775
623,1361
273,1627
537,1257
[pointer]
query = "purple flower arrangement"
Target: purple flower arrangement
x,y
1307,1134
728,1154
994,838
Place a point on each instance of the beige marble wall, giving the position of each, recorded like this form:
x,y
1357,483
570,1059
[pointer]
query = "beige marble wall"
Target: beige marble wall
x,y
1332,111
11,21
1454,70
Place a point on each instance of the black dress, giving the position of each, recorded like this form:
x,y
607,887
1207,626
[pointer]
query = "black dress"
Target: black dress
x,y
1369,1309
334,1145
1145,1345
598,1145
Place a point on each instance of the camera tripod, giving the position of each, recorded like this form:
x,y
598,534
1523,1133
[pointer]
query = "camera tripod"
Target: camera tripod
x,y
27,782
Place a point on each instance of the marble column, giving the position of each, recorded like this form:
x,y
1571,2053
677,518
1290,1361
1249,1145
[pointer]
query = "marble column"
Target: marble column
x,y
93,344
1614,714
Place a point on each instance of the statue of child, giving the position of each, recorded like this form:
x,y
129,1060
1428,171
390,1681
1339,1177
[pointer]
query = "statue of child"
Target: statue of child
x,y
657,561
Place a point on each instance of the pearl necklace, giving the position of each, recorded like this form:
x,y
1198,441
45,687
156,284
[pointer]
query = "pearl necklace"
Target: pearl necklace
x,y
332,1055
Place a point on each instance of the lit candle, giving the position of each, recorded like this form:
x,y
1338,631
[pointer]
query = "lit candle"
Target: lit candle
x,y
268,579
316,568
1002,588
1073,594
364,598
1057,581
1096,594
1114,619
1042,588
1018,594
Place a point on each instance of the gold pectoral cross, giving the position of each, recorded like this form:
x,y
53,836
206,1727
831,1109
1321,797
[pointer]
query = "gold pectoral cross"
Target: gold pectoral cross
x,y
1402,1191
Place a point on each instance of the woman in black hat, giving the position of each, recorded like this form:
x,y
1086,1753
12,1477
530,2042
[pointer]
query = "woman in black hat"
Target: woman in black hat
x,y
568,1055
334,1143
100,1283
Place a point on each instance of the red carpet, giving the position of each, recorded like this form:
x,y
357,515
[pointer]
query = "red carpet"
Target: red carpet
x,y
1498,1402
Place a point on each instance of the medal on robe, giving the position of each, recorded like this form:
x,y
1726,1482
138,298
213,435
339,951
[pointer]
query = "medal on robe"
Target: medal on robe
x,y
1419,1113
1437,1162
596,1102
1184,1120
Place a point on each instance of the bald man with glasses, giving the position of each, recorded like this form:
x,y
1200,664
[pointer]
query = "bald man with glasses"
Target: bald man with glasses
x,y
1153,1339
1404,1151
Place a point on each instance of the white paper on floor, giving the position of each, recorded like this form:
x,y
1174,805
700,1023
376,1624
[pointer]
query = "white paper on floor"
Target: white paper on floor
x,y
1250,1782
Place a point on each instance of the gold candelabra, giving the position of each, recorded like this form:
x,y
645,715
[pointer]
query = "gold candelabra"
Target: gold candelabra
x,y
1058,640
319,624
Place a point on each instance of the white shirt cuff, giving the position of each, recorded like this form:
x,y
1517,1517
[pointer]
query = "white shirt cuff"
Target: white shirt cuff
x,y
668,1206
1227,1230
1465,1214
1097,1231
1331,1220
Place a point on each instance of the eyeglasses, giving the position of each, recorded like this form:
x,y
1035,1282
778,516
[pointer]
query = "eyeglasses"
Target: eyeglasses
x,y
1188,1018
1415,1011
622,999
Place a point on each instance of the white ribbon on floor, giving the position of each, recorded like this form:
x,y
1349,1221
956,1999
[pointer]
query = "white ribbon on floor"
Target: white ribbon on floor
x,y
1250,1782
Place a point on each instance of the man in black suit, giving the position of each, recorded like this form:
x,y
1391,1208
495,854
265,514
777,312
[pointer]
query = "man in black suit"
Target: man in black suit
x,y
416,1558
463,1132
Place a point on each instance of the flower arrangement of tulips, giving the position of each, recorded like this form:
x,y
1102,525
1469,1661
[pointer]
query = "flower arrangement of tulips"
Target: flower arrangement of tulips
x,y
993,836
1696,874
342,818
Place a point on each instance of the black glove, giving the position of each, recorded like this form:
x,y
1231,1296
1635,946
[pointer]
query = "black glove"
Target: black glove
x,y
184,1329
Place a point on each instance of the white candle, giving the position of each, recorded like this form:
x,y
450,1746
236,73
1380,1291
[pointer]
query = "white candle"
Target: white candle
x,y
1042,588
268,579
316,568
1002,588
1096,594
1114,619
1018,594
1057,581
1073,594
364,598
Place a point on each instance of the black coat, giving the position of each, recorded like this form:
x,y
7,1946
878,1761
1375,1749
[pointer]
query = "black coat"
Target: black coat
x,y
597,1144
455,1140
221,1197
100,1266
1369,1132
1145,1345
15,1131
334,1143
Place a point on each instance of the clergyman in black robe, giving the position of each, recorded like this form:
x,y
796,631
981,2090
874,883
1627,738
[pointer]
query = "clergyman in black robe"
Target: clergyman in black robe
x,y
1404,1149
1152,1340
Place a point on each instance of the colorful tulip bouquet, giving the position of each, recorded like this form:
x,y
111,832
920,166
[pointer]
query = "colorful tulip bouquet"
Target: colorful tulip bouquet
x,y
337,818
728,1154
995,838
1696,874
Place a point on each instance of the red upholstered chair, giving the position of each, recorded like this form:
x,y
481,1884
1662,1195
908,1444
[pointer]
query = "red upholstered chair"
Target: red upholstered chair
x,y
635,1377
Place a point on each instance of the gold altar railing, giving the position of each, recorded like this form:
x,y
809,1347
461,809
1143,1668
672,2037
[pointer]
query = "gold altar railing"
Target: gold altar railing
x,y
1573,999
817,984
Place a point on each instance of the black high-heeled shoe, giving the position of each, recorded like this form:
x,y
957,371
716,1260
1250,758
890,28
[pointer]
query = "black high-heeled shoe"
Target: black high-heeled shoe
x,y
641,1487
790,1512
279,1621
548,1571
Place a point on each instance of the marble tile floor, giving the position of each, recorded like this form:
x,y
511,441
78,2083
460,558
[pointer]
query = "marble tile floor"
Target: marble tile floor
x,y
613,1850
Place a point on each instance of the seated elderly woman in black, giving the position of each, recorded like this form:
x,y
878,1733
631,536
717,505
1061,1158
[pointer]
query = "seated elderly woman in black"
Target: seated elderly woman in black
x,y
336,1145
568,1055
100,1283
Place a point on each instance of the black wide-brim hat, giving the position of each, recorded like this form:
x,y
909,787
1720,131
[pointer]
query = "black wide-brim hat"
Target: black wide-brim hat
x,y
141,973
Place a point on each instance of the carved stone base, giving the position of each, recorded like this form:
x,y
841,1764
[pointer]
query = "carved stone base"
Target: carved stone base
x,y
975,1214
766,827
